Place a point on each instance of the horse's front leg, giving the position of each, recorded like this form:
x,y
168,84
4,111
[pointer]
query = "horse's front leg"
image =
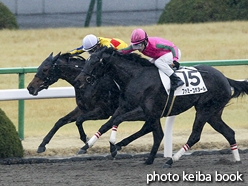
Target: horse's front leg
x,y
104,128
71,117
136,114
143,131
97,113
158,135
79,124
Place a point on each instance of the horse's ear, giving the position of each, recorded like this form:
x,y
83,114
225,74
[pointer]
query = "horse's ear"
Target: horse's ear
x,y
105,55
50,57
56,57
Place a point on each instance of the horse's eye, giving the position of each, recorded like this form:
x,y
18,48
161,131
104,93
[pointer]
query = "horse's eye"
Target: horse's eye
x,y
88,79
44,70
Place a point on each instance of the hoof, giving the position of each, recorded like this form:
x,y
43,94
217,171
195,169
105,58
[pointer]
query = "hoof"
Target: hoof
x,y
149,161
41,149
114,153
166,166
113,150
82,151
118,147
168,163
238,162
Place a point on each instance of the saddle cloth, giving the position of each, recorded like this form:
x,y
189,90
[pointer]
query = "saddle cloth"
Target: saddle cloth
x,y
193,82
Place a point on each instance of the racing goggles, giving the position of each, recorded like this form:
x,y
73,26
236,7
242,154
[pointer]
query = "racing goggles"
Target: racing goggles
x,y
91,51
137,46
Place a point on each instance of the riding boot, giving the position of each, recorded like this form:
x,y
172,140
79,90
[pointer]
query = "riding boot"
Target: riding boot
x,y
175,81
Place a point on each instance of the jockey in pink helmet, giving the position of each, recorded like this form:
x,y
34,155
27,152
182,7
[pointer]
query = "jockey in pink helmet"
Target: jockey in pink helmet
x,y
162,52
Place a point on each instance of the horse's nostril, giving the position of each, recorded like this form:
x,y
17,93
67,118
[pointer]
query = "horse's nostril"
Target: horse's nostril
x,y
30,89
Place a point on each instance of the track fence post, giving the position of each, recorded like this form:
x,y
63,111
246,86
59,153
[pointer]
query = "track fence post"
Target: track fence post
x,y
89,13
99,13
168,136
21,108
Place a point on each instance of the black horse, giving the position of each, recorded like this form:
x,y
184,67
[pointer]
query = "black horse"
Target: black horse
x,y
141,86
96,101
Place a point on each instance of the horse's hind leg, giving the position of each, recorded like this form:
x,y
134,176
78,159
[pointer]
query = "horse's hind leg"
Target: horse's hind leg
x,y
220,126
200,120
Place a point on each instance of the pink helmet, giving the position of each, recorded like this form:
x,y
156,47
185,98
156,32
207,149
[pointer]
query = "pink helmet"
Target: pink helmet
x,y
138,36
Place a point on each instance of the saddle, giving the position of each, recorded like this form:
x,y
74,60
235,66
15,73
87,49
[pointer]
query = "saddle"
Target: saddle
x,y
193,82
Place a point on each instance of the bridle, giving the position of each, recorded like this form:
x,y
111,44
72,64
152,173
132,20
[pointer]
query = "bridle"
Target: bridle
x,y
51,77
90,79
54,72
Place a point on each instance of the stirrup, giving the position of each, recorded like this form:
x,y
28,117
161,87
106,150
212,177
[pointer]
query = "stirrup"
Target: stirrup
x,y
176,85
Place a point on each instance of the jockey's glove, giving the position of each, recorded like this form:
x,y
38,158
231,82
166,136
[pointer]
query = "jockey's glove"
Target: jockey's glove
x,y
176,65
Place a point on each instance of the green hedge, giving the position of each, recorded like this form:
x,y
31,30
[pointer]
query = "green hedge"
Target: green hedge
x,y
10,143
7,19
195,11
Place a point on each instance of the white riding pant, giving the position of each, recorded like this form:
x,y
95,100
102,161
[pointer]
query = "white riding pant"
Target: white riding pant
x,y
164,61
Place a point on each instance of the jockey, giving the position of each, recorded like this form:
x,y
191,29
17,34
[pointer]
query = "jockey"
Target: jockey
x,y
162,52
91,43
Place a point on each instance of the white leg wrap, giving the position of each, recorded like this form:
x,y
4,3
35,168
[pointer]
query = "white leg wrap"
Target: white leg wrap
x,y
113,135
235,152
94,139
180,152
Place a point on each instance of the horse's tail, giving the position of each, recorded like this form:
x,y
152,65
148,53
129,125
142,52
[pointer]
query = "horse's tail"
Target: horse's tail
x,y
240,88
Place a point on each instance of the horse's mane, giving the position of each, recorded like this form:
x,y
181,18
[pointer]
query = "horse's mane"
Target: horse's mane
x,y
69,57
133,57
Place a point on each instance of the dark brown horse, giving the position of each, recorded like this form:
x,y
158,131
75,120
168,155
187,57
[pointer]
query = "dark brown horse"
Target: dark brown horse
x,y
97,101
141,86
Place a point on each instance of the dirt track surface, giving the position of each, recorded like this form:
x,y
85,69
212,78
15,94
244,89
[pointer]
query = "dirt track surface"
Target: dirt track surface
x,y
126,169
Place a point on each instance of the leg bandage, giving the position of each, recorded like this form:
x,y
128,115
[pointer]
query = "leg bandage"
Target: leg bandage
x,y
94,139
113,135
235,152
180,152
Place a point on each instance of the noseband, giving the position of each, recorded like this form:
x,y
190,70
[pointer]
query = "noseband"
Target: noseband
x,y
90,79
51,77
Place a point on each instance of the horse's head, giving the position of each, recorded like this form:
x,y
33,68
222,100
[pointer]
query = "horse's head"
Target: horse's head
x,y
45,76
95,67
